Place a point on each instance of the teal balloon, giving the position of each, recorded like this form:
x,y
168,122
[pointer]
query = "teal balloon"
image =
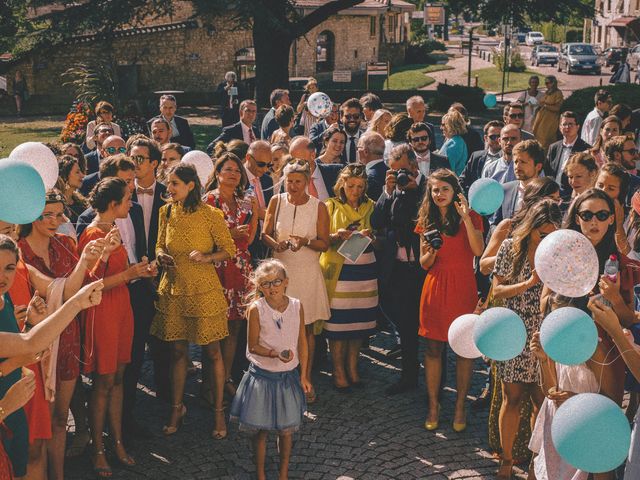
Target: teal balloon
x,y
569,336
591,433
486,196
490,100
21,192
500,334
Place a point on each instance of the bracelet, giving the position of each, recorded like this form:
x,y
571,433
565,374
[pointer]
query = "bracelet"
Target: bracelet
x,y
3,414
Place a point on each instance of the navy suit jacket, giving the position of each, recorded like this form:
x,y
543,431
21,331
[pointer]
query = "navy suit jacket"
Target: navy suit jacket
x,y
92,160
329,174
433,144
315,134
232,132
185,136
552,163
88,183
257,249
138,227
158,201
473,139
376,176
437,161
473,169
269,125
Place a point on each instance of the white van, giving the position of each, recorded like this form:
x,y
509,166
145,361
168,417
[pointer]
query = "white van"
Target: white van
x,y
534,38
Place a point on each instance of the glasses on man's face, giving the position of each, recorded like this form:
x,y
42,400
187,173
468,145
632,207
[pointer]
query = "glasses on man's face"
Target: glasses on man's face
x,y
493,138
273,283
263,164
516,115
351,116
114,150
139,159
601,215
423,138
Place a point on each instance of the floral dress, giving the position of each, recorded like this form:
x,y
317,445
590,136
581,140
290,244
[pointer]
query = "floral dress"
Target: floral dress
x,y
523,368
234,273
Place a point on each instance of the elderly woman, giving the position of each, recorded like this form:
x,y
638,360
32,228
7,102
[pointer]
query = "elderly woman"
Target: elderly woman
x,y
351,285
379,121
296,228
334,139
454,148
545,125
104,113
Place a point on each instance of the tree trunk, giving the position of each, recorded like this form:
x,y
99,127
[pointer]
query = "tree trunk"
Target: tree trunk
x,y
272,60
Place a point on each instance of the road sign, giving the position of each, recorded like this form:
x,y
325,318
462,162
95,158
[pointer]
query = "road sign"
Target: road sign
x,y
342,76
433,14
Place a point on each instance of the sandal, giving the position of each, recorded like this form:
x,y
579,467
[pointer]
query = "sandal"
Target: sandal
x,y
101,472
126,461
169,430
219,434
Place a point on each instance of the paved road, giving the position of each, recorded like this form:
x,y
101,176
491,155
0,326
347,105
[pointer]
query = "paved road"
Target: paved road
x,y
363,435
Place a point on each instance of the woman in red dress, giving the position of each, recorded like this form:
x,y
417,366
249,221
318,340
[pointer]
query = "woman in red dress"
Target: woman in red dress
x,y
109,326
227,192
449,288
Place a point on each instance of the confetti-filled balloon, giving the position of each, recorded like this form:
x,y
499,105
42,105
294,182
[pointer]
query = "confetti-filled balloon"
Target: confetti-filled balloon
x,y
490,100
319,104
569,336
202,163
40,157
461,336
567,263
21,192
486,196
591,433
500,334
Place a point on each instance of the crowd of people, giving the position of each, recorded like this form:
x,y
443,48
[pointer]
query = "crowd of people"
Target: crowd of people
x,y
251,266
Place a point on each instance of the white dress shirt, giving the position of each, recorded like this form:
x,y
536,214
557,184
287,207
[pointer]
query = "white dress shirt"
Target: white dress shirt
x,y
128,235
318,182
146,202
424,162
591,126
347,146
246,134
564,156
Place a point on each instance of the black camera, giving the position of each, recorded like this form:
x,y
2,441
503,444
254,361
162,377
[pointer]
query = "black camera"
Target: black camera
x,y
403,177
433,238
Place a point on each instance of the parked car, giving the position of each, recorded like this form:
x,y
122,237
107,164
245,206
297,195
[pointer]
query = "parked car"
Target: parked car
x,y
534,38
634,57
544,54
613,55
578,57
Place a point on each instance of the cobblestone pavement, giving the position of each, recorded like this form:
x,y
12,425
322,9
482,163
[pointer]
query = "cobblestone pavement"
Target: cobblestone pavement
x,y
362,435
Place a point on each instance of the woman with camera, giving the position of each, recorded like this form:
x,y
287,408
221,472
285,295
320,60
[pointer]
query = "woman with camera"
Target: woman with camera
x,y
296,228
451,238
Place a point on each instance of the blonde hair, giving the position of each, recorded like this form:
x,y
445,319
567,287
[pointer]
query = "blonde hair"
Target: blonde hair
x,y
295,165
455,122
376,120
264,269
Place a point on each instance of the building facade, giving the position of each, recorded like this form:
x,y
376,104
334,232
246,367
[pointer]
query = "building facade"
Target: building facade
x,y
616,23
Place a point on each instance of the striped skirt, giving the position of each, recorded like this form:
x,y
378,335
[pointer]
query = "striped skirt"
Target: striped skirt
x,y
354,306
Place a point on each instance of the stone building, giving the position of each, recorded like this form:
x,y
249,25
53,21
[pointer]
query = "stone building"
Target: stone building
x,y
183,53
616,23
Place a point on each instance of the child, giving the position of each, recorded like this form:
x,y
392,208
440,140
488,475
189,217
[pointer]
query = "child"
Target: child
x,y
270,396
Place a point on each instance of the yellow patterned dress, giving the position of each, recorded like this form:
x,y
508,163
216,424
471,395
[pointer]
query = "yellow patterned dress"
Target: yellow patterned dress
x,y
191,304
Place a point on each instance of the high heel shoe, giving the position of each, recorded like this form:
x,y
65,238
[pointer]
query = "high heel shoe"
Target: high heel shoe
x,y
505,470
460,427
430,426
126,461
219,434
168,430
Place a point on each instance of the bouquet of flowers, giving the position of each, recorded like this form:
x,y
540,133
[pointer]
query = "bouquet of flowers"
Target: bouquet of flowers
x,y
75,125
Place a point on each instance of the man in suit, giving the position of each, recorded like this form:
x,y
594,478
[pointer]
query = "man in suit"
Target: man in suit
x,y
316,132
400,274
161,133
112,145
269,125
491,153
371,153
502,170
419,139
417,111
257,163
528,160
622,151
323,176
351,119
229,94
102,131
513,114
370,103
560,151
244,130
180,130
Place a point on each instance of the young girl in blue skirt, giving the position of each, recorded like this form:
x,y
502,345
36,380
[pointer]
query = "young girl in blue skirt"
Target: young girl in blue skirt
x,y
271,395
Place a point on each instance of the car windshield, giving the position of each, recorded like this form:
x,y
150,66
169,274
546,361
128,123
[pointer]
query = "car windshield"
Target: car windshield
x,y
581,50
535,34
547,48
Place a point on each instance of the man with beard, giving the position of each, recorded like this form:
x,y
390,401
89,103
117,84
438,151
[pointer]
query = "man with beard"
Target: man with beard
x,y
491,153
623,151
351,117
419,139
501,170
417,111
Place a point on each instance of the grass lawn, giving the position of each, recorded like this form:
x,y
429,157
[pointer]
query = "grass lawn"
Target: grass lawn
x,y
411,77
41,130
204,134
490,79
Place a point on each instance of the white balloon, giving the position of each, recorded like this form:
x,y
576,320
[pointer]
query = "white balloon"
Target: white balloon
x,y
567,263
461,336
202,163
319,104
40,157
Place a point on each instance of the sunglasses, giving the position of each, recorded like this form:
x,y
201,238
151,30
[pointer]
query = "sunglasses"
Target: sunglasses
x,y
273,283
423,138
493,138
104,130
601,215
139,159
351,116
263,164
113,150
516,115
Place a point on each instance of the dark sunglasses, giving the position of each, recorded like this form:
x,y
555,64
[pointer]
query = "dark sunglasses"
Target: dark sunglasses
x,y
587,215
263,164
105,130
113,150
493,138
351,116
423,138
139,159
516,115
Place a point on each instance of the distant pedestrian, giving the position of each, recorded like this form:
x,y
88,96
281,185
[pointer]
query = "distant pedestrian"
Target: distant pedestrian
x,y
20,92
545,126
229,95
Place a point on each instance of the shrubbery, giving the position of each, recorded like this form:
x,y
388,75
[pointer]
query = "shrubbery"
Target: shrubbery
x,y
581,101
421,49
470,97
517,62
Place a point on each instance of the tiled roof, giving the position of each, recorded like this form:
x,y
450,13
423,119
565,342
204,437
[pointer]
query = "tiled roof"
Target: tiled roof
x,y
378,5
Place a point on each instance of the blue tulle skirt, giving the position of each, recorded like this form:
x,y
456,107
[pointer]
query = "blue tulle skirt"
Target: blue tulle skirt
x,y
271,401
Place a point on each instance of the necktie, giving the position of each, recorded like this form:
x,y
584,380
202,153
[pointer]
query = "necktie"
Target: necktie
x,y
313,191
352,149
257,188
252,137
144,191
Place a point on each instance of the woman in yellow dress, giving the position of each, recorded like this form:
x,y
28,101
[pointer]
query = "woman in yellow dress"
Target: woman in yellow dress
x,y
545,126
191,306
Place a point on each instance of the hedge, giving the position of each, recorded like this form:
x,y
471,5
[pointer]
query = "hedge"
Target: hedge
x,y
581,101
471,97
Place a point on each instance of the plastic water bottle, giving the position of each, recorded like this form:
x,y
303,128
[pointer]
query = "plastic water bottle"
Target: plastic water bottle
x,y
611,268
